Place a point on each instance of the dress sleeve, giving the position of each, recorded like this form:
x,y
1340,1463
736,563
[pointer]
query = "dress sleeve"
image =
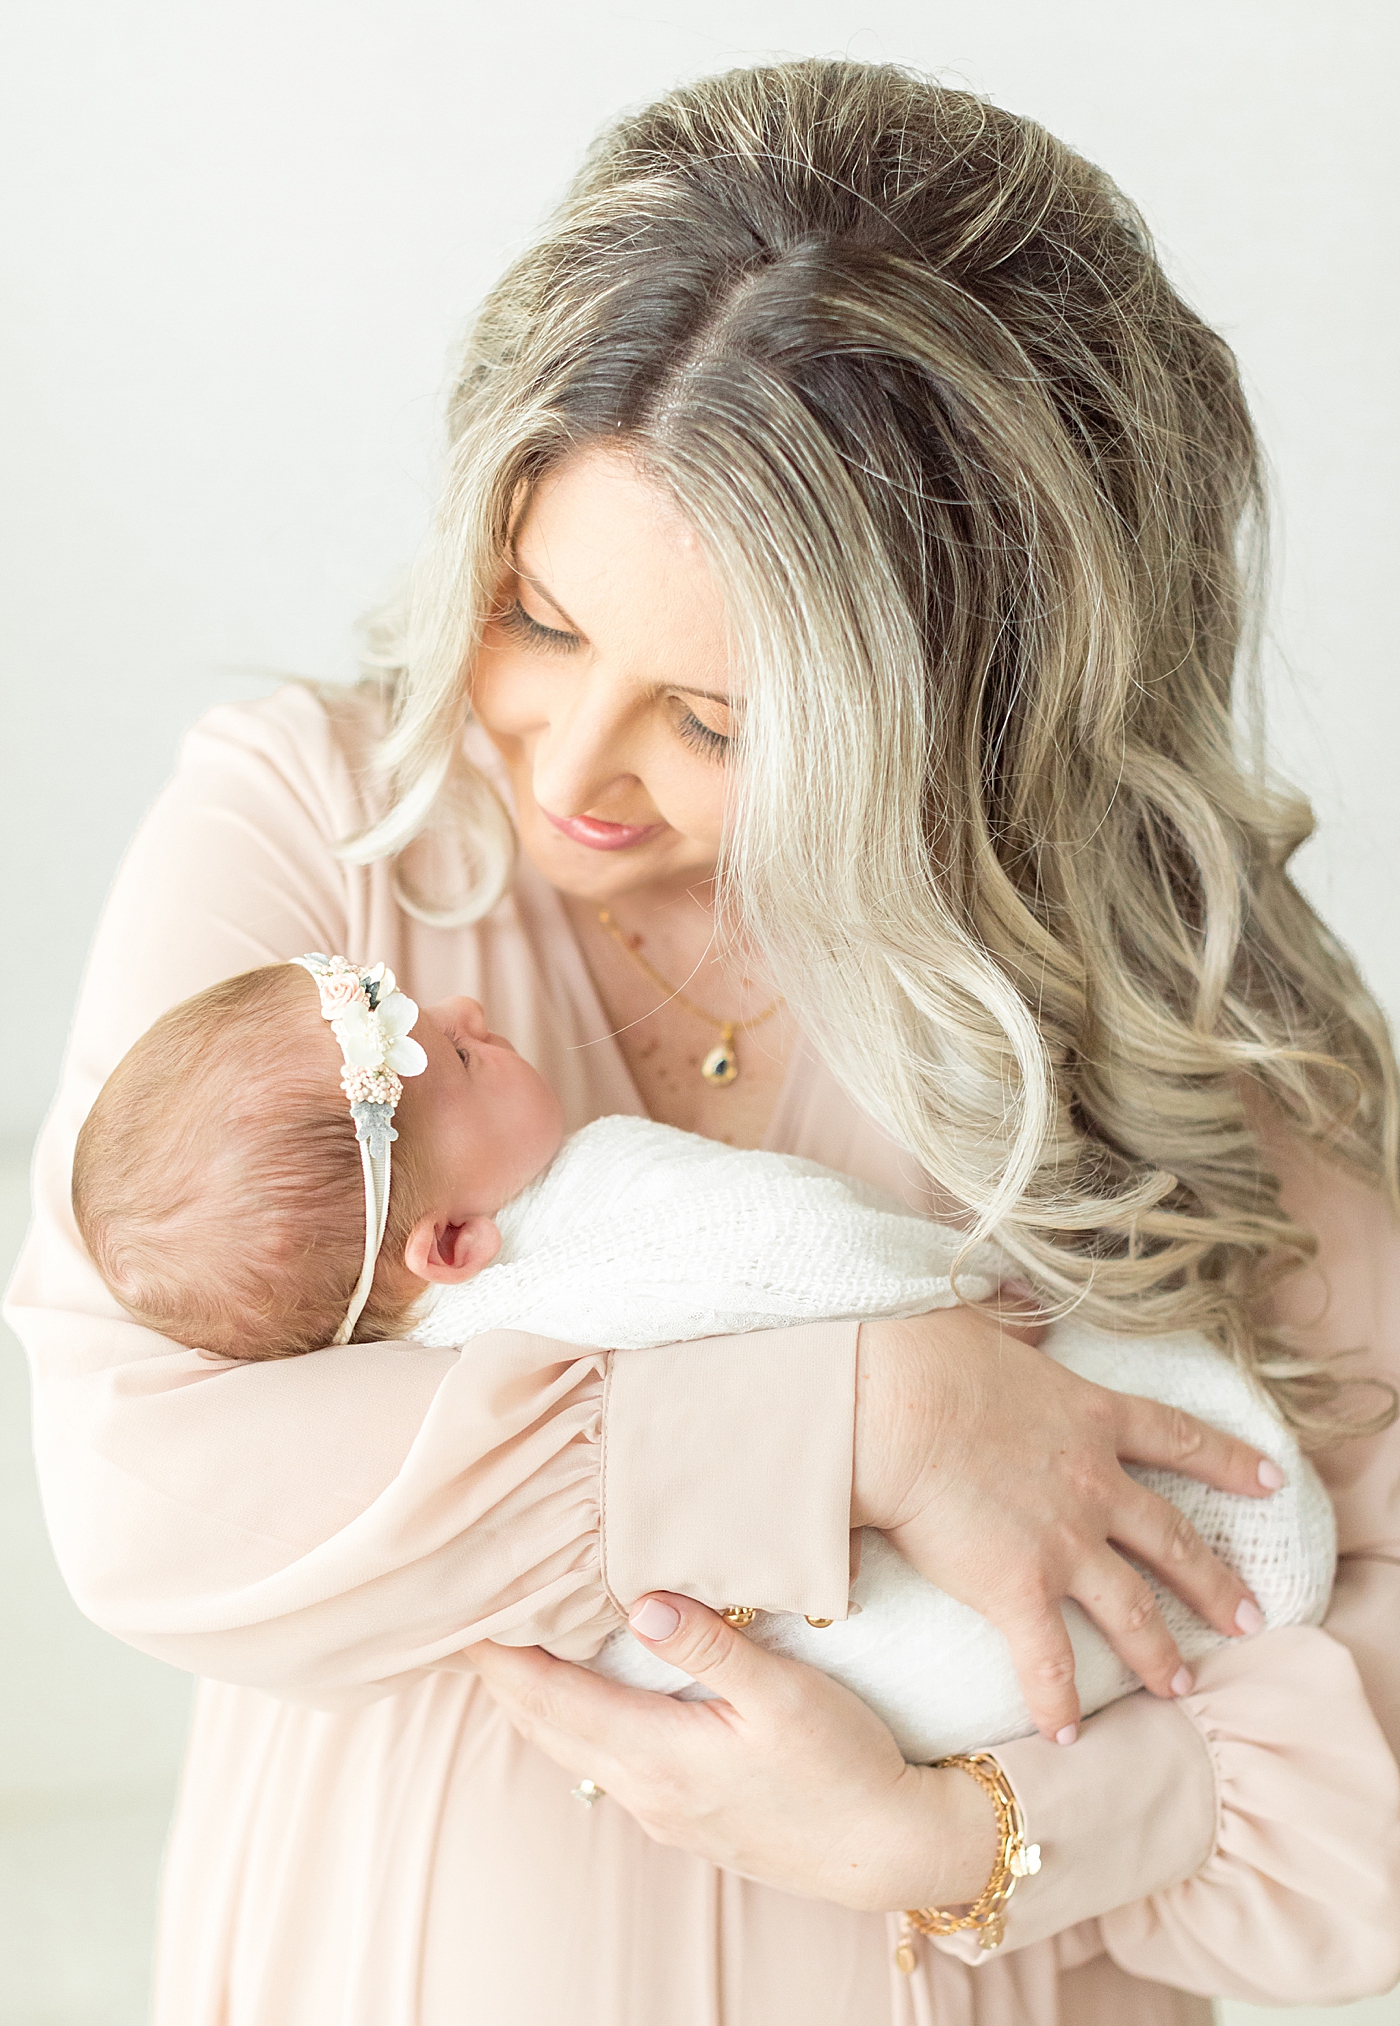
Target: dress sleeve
x,y
1245,1842
325,1525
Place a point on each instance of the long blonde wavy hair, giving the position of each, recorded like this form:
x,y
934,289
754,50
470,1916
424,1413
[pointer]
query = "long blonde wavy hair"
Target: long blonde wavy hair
x,y
984,499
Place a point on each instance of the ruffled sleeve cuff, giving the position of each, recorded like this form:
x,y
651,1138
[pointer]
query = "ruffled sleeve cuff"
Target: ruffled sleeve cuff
x,y
726,1470
1242,1843
1298,1900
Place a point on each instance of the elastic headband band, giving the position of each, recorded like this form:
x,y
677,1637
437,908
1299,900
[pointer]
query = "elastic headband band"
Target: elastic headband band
x,y
370,1018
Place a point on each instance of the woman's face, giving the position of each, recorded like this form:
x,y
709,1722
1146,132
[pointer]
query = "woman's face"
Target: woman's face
x,y
603,682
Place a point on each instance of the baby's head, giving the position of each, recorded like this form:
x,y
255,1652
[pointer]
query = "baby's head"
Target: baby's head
x,y
218,1182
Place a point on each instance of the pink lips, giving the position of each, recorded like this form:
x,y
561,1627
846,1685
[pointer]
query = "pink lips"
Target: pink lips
x,y
600,836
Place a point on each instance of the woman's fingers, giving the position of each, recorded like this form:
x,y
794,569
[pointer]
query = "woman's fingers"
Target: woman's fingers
x,y
581,1719
1044,1663
1174,1440
649,1752
1153,1531
701,1642
567,1711
1121,1603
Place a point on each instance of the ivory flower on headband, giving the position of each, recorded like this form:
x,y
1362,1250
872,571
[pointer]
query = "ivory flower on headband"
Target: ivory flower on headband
x,y
373,1031
370,1018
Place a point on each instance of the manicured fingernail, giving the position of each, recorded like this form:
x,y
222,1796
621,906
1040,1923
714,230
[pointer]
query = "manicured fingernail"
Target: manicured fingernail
x,y
1271,1477
1249,1617
1068,1735
653,1619
1181,1682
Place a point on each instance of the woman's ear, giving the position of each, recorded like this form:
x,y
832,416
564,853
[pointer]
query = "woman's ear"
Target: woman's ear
x,y
450,1253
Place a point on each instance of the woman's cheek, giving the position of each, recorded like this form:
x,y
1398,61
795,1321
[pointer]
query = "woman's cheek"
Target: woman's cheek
x,y
502,693
691,797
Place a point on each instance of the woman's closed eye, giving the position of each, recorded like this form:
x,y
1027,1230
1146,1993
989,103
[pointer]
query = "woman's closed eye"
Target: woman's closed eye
x,y
702,737
548,639
532,632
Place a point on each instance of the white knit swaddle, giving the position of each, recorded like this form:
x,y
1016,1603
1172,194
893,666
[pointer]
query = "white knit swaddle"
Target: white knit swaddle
x,y
639,1235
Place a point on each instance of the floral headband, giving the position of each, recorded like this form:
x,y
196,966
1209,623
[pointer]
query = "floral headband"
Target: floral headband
x,y
370,1018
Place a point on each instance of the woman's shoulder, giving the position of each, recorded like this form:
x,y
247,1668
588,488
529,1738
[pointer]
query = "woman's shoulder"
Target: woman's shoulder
x,y
316,740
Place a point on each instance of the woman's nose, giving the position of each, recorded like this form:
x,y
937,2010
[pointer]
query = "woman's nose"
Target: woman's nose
x,y
584,754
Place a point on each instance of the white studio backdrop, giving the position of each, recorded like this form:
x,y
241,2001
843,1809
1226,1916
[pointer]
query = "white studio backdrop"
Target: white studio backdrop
x,y
239,248
243,240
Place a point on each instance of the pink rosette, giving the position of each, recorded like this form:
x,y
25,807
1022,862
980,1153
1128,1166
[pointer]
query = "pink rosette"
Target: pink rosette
x,y
340,990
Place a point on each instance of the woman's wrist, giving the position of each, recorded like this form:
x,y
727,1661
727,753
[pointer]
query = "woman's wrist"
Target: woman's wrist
x,y
894,1421
940,1844
914,1388
967,1839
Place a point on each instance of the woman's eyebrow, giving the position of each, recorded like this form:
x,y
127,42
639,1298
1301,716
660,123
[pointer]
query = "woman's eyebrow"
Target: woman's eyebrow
x,y
553,603
689,689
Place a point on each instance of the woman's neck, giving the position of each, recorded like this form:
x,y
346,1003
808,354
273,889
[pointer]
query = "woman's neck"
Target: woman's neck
x,y
650,936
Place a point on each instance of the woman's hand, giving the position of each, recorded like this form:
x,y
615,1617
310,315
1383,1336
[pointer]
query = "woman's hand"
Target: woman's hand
x,y
788,1779
999,1475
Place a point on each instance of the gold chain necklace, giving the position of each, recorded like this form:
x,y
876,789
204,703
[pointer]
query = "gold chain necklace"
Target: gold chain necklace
x,y
721,1065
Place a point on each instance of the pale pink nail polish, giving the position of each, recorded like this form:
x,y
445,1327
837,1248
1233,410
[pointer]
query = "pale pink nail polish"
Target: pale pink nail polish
x,y
1249,1617
1271,1477
1181,1682
1068,1735
653,1619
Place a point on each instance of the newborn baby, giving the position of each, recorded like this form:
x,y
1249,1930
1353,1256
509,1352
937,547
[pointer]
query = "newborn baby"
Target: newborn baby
x,y
237,1196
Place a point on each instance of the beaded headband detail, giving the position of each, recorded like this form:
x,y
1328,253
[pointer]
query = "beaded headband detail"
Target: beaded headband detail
x,y
370,1018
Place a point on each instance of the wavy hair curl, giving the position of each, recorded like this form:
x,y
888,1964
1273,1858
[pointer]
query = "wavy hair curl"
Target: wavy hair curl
x,y
984,498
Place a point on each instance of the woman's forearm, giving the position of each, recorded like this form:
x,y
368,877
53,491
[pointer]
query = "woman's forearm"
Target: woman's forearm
x,y
319,1526
726,1470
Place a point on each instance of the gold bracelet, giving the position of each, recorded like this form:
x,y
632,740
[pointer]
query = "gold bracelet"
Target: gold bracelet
x,y
1015,1859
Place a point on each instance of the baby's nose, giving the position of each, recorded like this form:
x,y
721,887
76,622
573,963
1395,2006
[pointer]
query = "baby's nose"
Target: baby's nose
x,y
468,1014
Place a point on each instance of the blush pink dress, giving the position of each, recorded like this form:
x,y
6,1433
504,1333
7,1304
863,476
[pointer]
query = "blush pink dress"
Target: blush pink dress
x,y
360,1839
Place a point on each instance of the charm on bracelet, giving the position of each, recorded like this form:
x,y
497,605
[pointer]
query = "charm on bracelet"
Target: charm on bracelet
x,y
1015,1859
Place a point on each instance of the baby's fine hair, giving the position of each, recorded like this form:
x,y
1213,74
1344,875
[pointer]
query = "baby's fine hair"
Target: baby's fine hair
x,y
217,1182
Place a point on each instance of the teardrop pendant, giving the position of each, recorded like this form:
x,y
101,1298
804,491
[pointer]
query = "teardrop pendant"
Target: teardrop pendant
x,y
721,1065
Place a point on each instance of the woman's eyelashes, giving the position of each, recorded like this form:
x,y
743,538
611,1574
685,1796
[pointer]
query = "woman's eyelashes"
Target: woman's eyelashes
x,y
702,738
515,619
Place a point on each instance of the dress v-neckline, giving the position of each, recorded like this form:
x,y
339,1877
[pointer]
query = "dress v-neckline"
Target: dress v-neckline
x,y
578,979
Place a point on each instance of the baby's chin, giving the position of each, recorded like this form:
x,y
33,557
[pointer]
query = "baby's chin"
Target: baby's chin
x,y
551,1133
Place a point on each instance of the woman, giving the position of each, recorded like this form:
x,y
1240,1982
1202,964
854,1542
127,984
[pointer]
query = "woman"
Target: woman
x,y
839,554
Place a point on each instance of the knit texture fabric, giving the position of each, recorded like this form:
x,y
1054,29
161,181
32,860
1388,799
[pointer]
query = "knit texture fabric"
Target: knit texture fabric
x,y
638,1234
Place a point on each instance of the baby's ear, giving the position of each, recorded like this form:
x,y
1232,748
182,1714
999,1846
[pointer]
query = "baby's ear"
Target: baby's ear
x,y
450,1253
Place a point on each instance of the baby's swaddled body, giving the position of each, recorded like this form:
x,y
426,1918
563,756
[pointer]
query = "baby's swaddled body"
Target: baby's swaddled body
x,y
638,1234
